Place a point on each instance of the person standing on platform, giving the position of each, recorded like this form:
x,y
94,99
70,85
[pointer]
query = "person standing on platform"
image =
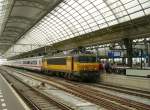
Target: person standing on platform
x,y
107,67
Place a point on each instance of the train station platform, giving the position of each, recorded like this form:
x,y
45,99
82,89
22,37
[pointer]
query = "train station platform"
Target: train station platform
x,y
126,81
9,99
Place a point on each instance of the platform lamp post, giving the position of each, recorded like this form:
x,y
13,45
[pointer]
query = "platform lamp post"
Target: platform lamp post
x,y
148,53
97,53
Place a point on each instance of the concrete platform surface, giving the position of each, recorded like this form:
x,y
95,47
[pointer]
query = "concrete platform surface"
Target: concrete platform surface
x,y
9,100
128,81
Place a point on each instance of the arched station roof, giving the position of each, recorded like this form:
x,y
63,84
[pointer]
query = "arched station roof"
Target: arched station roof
x,y
72,18
18,16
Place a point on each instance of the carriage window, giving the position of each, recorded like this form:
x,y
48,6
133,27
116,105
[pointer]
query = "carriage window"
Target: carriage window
x,y
25,62
33,62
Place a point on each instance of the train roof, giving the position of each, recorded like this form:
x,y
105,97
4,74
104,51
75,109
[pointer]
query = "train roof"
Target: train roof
x,y
39,57
63,56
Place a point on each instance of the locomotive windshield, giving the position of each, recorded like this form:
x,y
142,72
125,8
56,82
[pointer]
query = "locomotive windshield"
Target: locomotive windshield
x,y
87,59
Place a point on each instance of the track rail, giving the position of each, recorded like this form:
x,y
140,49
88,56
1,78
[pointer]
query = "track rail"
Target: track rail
x,y
135,92
104,97
35,99
108,101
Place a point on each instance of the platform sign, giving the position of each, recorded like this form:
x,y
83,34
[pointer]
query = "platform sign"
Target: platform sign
x,y
110,54
140,53
117,54
114,54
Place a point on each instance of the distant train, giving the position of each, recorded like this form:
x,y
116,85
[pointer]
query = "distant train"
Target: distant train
x,y
81,67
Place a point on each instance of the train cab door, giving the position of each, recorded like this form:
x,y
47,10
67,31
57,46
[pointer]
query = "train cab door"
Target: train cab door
x,y
44,64
69,64
72,64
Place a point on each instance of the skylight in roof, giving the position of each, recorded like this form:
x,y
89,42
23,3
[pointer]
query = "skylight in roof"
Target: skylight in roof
x,y
5,6
77,17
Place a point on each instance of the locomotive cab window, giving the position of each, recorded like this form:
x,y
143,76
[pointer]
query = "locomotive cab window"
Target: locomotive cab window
x,y
57,61
86,59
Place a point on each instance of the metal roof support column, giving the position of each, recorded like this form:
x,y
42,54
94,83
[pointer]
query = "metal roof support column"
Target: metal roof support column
x,y
147,47
149,54
128,45
31,50
45,50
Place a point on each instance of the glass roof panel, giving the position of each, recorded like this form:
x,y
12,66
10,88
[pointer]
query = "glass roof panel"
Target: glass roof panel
x,y
5,6
77,17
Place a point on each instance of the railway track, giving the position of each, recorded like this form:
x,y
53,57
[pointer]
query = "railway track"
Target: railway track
x,y
99,97
35,99
108,101
130,91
